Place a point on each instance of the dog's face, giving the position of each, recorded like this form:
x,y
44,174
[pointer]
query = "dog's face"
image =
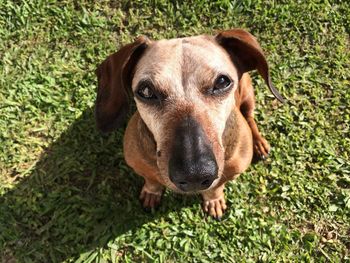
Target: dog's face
x,y
184,90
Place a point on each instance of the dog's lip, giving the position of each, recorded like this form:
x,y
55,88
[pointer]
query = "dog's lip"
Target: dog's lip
x,y
173,187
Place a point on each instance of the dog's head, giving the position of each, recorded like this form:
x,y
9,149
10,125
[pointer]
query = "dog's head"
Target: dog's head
x,y
184,91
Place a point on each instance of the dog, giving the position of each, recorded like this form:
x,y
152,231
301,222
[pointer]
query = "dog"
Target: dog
x,y
194,126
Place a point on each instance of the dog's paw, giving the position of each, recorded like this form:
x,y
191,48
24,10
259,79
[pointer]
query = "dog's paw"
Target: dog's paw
x,y
150,200
261,148
215,207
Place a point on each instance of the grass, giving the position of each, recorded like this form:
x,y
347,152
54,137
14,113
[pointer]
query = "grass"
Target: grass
x,y
66,192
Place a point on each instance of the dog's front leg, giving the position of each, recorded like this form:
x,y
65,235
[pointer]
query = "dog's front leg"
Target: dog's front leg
x,y
214,202
151,194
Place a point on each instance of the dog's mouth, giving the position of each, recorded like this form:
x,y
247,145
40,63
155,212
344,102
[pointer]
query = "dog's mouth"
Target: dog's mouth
x,y
199,190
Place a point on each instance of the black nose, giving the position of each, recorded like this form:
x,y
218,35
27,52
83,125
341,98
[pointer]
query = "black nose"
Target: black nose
x,y
192,164
190,177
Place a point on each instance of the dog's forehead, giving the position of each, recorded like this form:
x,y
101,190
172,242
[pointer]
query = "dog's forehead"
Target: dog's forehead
x,y
174,58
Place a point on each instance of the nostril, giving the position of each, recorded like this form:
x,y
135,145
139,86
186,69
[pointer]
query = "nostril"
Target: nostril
x,y
206,182
182,183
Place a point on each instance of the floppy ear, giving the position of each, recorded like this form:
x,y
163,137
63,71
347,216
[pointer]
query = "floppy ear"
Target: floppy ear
x,y
246,54
114,85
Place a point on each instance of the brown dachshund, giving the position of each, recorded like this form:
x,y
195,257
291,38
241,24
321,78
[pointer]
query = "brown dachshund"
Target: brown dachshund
x,y
194,127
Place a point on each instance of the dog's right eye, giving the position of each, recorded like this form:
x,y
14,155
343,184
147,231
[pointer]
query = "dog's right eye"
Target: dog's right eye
x,y
145,91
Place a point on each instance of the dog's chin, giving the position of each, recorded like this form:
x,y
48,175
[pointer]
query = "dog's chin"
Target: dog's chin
x,y
174,188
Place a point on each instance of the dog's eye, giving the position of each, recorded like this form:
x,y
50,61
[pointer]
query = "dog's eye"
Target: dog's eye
x,y
221,85
145,91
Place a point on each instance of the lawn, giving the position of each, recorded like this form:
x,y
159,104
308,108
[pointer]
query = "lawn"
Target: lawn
x,y
66,194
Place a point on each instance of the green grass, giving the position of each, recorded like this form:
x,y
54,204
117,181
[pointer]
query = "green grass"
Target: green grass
x,y
66,192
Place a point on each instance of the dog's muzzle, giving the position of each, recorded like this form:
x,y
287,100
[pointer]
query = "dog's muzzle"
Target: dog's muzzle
x,y
192,164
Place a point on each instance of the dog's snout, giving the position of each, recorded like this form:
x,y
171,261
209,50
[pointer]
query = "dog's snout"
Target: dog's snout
x,y
193,177
192,164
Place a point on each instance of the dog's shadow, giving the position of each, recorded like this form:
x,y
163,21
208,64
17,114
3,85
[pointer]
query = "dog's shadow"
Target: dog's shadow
x,y
79,196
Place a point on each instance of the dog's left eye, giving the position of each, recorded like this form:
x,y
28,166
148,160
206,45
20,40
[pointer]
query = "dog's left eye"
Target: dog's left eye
x,y
221,85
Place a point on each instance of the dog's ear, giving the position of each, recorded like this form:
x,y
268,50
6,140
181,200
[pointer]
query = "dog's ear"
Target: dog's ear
x,y
246,54
114,85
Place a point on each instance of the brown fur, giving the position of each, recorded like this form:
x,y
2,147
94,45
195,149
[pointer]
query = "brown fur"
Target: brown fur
x,y
182,70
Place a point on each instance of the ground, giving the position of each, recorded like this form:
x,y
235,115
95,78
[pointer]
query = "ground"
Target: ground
x,y
66,192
